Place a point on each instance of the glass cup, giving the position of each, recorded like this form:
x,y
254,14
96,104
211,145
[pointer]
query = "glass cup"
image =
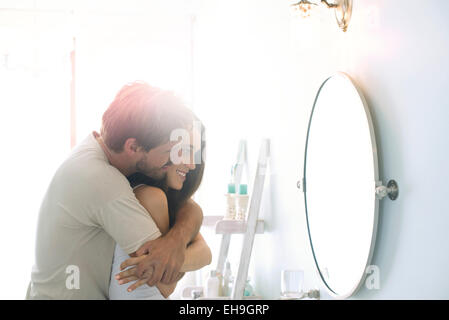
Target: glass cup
x,y
291,283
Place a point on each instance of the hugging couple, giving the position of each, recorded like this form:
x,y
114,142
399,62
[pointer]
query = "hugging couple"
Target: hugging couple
x,y
117,220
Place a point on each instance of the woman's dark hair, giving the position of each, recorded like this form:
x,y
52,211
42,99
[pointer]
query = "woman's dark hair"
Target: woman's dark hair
x,y
175,198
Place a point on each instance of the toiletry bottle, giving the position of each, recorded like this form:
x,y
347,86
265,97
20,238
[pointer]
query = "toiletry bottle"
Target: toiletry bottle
x,y
220,283
231,284
196,294
227,280
212,285
242,202
249,291
230,212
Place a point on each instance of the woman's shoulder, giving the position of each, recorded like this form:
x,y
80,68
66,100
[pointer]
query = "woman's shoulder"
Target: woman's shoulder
x,y
155,202
151,196
145,189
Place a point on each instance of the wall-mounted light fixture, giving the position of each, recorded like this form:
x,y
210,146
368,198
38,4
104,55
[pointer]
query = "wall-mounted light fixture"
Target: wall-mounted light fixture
x,y
342,9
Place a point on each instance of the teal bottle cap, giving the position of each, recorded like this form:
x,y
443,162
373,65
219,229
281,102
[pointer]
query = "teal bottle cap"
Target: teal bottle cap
x,y
231,187
243,189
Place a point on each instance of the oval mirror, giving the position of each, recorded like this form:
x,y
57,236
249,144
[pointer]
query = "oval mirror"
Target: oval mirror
x,y
340,176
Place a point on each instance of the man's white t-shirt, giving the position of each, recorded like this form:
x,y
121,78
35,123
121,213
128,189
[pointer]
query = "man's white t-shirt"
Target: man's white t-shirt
x,y
88,208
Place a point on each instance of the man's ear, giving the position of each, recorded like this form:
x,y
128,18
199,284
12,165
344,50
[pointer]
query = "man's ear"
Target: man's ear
x,y
131,146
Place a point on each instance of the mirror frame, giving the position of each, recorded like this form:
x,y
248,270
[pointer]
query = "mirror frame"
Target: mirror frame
x,y
361,281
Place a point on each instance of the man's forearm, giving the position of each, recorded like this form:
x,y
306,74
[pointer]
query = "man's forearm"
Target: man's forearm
x,y
188,222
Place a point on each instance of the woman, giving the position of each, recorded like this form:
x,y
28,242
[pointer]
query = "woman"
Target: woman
x,y
162,199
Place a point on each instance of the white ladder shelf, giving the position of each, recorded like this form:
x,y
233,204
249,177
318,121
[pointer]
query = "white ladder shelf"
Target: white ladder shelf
x,y
249,228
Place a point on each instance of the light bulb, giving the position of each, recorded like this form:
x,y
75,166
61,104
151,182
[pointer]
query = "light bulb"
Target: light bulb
x,y
303,8
341,8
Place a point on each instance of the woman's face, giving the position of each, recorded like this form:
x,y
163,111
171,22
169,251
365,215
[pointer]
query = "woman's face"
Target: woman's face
x,y
177,174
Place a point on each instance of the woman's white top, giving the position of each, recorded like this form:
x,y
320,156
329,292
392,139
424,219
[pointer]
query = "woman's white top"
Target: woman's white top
x,y
119,292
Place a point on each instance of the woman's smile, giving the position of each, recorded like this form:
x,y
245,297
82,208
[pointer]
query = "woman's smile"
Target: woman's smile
x,y
181,173
176,176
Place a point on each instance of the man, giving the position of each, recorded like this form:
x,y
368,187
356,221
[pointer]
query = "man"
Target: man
x,y
89,205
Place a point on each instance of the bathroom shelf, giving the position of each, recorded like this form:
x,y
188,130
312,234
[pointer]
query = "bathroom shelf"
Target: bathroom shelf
x,y
223,226
210,221
236,227
248,228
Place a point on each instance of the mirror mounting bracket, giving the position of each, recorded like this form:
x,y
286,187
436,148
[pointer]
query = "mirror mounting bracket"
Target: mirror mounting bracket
x,y
303,183
391,190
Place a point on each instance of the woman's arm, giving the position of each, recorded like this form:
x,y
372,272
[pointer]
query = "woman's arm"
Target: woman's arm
x,y
153,199
198,254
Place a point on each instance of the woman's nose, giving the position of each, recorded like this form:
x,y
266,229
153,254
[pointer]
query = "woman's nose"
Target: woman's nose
x,y
191,165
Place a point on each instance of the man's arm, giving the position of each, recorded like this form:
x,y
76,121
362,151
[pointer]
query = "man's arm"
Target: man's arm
x,y
188,222
198,255
166,254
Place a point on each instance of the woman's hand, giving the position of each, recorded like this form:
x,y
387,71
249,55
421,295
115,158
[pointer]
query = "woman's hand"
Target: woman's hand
x,y
130,274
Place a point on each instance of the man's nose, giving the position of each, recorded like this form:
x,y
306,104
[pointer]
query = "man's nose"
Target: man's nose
x,y
167,160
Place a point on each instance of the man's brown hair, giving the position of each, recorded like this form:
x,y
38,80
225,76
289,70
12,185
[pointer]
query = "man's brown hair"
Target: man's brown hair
x,y
143,112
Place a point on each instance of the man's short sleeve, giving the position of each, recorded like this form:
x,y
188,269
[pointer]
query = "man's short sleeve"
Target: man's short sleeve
x,y
128,223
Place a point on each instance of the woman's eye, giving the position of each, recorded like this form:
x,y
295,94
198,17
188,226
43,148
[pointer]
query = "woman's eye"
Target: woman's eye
x,y
197,155
185,151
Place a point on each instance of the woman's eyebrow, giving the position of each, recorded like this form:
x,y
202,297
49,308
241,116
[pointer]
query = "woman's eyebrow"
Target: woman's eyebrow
x,y
188,146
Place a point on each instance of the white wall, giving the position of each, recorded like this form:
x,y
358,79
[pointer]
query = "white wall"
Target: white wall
x,y
35,126
397,52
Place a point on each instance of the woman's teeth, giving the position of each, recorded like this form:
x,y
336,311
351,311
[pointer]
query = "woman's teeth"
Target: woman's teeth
x,y
181,173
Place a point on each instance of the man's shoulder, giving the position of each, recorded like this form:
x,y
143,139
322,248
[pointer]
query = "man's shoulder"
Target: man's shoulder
x,y
89,168
86,170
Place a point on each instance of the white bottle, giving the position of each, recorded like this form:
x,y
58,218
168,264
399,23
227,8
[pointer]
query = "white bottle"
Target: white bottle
x,y
231,206
242,202
227,280
212,285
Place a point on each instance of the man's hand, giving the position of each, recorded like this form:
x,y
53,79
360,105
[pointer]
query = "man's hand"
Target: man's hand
x,y
164,258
